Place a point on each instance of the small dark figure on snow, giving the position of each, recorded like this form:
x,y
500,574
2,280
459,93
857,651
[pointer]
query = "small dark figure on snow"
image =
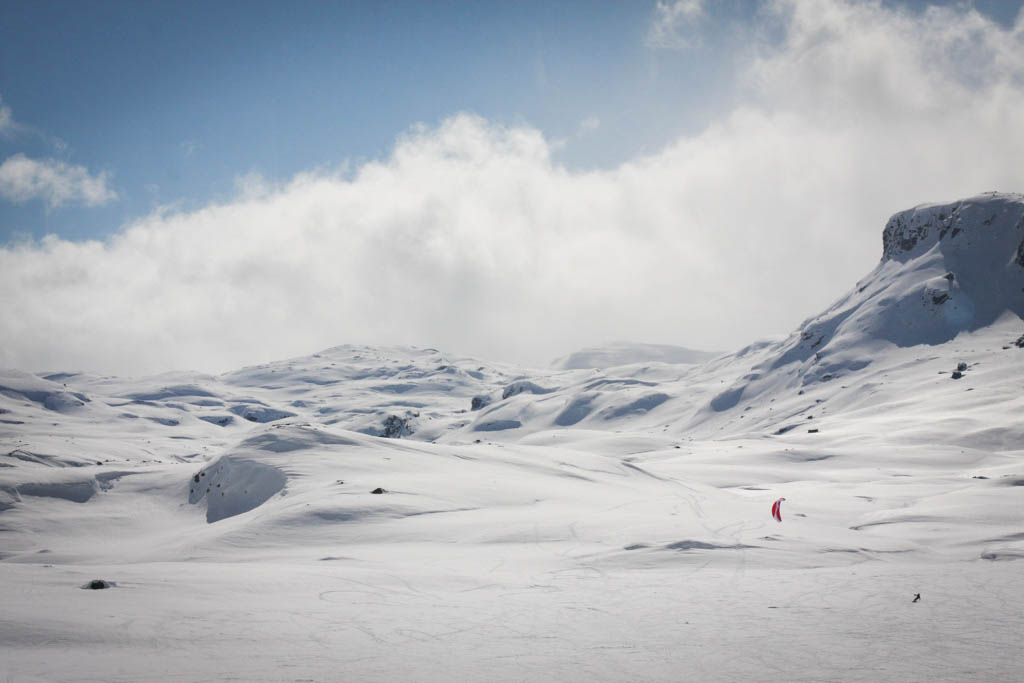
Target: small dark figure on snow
x,y
916,597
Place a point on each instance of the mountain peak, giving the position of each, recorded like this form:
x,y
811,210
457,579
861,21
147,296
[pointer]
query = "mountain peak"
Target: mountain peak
x,y
991,220
946,269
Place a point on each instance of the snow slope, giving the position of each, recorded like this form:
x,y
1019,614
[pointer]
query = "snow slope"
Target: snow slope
x,y
371,514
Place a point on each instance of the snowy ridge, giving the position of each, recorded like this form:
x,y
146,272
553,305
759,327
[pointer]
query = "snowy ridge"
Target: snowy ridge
x,y
994,218
946,270
622,353
444,516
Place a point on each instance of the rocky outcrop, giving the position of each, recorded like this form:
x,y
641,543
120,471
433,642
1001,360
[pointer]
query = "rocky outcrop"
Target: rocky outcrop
x,y
396,427
911,232
480,402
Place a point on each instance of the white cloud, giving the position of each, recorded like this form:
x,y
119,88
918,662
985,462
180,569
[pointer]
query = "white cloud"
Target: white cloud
x,y
470,238
23,179
673,23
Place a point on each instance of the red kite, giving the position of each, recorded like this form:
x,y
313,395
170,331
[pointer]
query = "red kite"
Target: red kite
x,y
777,509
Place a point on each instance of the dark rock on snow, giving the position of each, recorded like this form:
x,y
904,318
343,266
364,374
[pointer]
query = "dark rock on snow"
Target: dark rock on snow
x,y
396,427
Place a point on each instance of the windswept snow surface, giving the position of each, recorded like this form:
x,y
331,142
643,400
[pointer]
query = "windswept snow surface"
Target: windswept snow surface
x,y
380,514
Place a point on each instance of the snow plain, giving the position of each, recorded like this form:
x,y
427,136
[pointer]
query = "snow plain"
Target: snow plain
x,y
606,524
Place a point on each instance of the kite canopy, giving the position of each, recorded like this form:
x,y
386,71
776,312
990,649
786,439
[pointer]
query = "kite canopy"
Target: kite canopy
x,y
777,509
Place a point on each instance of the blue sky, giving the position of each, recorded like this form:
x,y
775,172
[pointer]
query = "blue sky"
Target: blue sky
x,y
519,179
174,100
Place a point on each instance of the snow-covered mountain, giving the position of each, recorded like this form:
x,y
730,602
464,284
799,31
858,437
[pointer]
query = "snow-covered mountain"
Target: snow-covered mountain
x,y
376,513
626,353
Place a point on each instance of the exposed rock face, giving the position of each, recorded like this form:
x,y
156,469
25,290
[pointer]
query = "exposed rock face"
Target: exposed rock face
x,y
479,402
993,215
396,427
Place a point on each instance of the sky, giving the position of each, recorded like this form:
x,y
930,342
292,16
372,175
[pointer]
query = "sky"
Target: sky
x,y
194,185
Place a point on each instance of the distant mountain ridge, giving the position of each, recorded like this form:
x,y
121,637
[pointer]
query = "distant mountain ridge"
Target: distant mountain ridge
x,y
627,353
946,270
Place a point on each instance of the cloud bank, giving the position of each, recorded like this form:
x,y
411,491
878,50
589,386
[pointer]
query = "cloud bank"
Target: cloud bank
x,y
470,237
